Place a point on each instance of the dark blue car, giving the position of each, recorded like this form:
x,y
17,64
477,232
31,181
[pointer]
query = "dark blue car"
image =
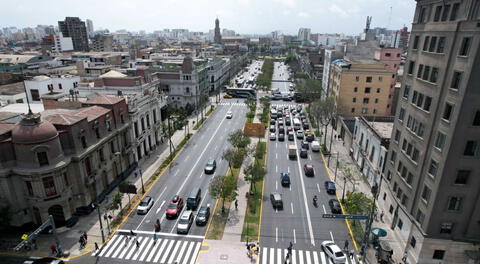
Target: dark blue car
x,y
330,186
285,178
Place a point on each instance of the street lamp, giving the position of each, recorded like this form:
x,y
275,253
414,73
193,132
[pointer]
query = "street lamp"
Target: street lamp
x,y
344,187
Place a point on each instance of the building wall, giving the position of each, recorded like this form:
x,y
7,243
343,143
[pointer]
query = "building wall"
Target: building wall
x,y
62,84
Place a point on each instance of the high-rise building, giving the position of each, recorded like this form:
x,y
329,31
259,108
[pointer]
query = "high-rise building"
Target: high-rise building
x,y
304,34
89,26
217,37
403,41
75,28
102,42
430,191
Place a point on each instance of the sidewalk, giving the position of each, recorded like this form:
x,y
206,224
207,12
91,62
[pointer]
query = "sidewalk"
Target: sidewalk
x,y
90,224
361,185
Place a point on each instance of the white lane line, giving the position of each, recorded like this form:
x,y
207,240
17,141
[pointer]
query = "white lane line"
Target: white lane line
x,y
110,250
290,187
322,257
286,146
324,211
300,254
276,234
288,169
294,257
276,185
310,157
294,236
315,257
187,254
134,248
272,254
180,254
331,235
318,187
264,255
160,233
145,252
201,174
146,216
160,207
279,256
309,221
276,155
129,244
276,168
291,206
307,257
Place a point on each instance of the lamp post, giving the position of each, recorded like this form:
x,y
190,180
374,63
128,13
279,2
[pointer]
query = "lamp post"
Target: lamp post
x,y
97,206
336,168
343,191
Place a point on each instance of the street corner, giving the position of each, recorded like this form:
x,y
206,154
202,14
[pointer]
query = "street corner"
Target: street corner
x,y
205,247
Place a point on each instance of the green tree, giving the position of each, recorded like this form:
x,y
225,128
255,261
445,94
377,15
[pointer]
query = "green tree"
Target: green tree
x,y
253,174
229,156
223,187
239,156
358,203
324,112
251,103
238,139
348,173
116,201
309,89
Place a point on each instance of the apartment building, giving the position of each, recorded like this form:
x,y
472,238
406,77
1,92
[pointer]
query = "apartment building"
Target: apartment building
x,y
360,87
73,27
431,185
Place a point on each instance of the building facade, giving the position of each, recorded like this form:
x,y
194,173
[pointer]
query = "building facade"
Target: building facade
x,y
102,42
42,84
217,36
61,43
330,56
361,87
431,184
391,58
218,73
73,27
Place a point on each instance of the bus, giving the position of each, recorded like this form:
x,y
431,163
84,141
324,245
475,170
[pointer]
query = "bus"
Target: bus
x,y
241,92
297,125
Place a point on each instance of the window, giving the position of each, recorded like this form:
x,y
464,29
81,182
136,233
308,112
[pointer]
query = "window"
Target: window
x,y
388,54
369,79
454,203
409,149
438,254
446,228
433,168
413,242
380,78
60,86
400,224
434,75
354,99
422,14
397,135
419,71
366,100
453,15
411,66
389,176
376,100
401,114
416,39
456,79
353,109
446,9
426,72
427,104
393,156
476,119
112,147
35,95
88,166
374,111
404,200
426,194
355,89
42,158
438,12
367,89
29,187
465,46
65,179
49,186
101,155
447,111
421,130
433,44
426,41
462,177
420,99
420,216
357,78
441,45
378,90
135,126
415,154
470,148
440,140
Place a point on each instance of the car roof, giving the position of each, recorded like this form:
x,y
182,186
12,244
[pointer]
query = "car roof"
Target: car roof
x,y
186,214
277,196
146,199
310,166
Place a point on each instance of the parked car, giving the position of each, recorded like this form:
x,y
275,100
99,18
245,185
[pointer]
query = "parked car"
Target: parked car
x,y
330,187
333,252
303,153
211,166
203,215
273,136
285,179
299,134
229,115
335,206
305,125
145,205
276,199
308,169
272,122
174,207
281,137
185,222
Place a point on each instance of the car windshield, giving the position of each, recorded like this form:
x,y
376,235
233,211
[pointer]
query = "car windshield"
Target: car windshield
x,y
210,163
183,221
339,254
143,203
201,213
172,206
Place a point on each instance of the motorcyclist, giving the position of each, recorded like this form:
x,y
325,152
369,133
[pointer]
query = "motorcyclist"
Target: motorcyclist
x,y
315,199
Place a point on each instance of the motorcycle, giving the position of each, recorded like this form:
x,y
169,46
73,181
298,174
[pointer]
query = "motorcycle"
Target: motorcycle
x,y
315,201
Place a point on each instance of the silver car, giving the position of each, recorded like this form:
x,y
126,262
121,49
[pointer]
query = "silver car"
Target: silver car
x,y
185,222
145,205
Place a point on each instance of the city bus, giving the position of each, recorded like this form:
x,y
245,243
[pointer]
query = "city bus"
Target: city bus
x,y
241,92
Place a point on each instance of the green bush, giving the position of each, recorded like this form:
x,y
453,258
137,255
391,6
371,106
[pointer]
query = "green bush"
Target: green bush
x,y
260,151
238,158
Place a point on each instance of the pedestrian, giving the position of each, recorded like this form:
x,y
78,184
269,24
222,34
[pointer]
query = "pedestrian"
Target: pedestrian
x,y
96,246
236,204
126,240
85,236
53,248
137,243
352,252
381,216
81,242
154,238
135,174
375,215
345,246
132,233
404,257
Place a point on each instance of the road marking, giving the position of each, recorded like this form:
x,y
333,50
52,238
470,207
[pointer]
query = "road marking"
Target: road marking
x,y
294,236
324,211
276,185
154,249
288,169
279,256
276,234
164,258
310,157
146,216
276,155
195,252
105,249
322,256
264,255
291,206
276,168
175,249
286,146
180,254
160,207
272,254
300,254
201,174
159,254
315,257
331,235
318,187
158,233
146,250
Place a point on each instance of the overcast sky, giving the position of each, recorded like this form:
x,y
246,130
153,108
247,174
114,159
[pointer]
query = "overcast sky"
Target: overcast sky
x,y
243,16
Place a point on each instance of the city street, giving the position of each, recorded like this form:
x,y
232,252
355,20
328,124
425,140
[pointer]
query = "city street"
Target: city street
x,y
299,222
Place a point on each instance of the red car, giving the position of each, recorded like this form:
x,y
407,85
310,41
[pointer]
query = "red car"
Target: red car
x,y
174,207
308,169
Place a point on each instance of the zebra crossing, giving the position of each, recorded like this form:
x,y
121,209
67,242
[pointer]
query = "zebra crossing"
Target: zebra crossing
x,y
278,256
161,250
234,104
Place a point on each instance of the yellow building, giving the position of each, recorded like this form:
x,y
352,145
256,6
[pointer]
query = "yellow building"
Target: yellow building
x,y
361,87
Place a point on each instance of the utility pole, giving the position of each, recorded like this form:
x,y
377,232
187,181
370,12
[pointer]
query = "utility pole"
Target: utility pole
x,y
97,206
368,226
344,187
336,167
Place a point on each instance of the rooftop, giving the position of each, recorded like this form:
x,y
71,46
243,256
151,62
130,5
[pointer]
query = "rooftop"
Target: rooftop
x,y
22,108
384,129
104,100
113,74
12,88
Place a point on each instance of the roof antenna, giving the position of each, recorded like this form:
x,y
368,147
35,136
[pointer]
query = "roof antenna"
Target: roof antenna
x,y
28,101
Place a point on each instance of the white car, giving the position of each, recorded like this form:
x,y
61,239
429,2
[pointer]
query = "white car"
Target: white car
x,y
185,222
145,205
273,136
333,252
229,115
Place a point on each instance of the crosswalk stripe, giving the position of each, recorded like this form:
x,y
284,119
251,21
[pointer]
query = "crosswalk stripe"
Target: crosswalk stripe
x,y
322,256
134,248
195,252
307,257
127,246
315,257
159,254
147,248
165,256
119,249
180,254
300,254
272,255
140,249
294,257
154,249
175,249
112,248
108,246
279,256
264,255
189,251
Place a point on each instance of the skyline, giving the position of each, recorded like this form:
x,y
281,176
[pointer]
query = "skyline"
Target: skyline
x,y
286,16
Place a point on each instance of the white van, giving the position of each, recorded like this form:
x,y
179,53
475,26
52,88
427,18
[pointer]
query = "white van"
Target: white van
x,y
315,146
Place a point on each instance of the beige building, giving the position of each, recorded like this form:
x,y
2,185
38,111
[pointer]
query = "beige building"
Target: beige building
x,y
361,87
